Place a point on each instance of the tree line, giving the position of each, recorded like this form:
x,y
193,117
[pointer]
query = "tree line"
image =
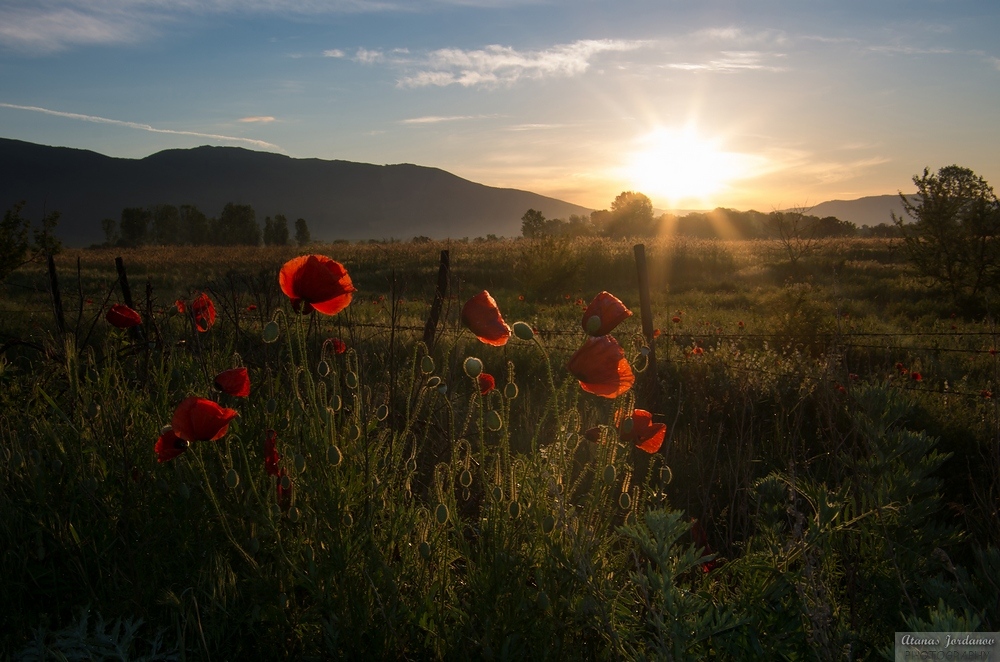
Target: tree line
x,y
186,225
631,215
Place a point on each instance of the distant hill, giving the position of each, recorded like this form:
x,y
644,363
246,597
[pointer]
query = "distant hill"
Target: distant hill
x,y
870,210
338,199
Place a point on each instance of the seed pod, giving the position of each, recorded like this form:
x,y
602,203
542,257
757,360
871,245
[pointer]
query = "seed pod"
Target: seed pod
x,y
473,367
441,513
334,456
514,509
593,325
323,368
465,478
523,331
425,549
286,483
300,462
271,406
624,501
270,333
294,515
497,493
382,412
510,391
493,420
351,379
347,520
548,524
232,478
335,403
609,474
427,364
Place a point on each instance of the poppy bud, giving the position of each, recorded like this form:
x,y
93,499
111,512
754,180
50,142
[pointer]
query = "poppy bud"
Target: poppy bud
x,y
514,509
382,412
473,367
441,513
465,478
270,332
548,524
493,420
523,331
427,365
334,456
593,325
510,391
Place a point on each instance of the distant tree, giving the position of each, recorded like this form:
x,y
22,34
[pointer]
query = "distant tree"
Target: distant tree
x,y
280,232
831,226
532,224
794,232
236,226
166,224
268,231
631,215
110,227
302,236
134,226
194,226
955,236
16,249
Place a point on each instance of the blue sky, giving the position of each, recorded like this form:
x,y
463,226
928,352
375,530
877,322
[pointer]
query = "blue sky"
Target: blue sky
x,y
761,105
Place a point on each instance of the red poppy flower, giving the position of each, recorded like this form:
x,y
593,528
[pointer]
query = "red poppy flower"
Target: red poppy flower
x,y
657,333
123,317
603,314
701,540
987,394
198,419
339,346
740,324
993,351
169,446
271,457
252,307
481,315
697,351
601,367
234,382
675,319
204,312
916,376
486,383
643,432
316,281
181,306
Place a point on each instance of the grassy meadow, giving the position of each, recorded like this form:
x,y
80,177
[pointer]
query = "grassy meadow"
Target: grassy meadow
x,y
831,472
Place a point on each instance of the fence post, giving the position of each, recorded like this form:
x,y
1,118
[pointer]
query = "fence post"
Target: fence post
x,y
442,289
646,312
56,296
135,331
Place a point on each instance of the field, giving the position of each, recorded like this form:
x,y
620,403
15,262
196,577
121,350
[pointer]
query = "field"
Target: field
x,y
830,473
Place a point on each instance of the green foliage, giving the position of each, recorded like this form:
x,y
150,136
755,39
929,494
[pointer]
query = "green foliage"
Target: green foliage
x,y
15,248
953,239
631,215
302,236
547,268
236,226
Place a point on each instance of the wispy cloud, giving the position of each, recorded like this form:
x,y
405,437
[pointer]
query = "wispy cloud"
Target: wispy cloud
x,y
43,29
995,61
333,52
730,62
437,119
504,65
142,127
908,50
261,119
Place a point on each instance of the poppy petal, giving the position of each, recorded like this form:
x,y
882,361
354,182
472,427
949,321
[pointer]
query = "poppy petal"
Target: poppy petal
x,y
482,316
486,383
609,312
198,419
235,382
123,317
601,367
169,446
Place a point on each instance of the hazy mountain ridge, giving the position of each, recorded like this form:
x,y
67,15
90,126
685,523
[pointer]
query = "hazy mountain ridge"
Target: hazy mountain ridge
x,y
870,210
338,199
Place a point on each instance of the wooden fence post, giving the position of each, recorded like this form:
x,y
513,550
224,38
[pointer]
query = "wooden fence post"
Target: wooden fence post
x,y
135,331
646,312
56,296
439,294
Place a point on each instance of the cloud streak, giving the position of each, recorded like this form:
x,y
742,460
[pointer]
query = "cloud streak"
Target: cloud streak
x,y
730,62
142,127
437,119
497,65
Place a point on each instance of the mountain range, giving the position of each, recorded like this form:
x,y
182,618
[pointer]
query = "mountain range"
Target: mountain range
x,y
338,199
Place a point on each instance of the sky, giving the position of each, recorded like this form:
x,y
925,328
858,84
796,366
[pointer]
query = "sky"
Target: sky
x,y
696,103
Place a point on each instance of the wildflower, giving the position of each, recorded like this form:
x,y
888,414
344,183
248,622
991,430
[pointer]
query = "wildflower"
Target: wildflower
x,y
169,445
234,382
181,306
316,281
481,315
701,540
916,376
656,333
840,389
486,383
339,346
601,367
198,419
852,376
252,307
520,297
987,394
697,351
603,314
993,351
675,319
204,312
642,431
123,317
271,457
741,325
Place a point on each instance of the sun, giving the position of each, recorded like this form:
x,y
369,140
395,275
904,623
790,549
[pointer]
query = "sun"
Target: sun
x,y
678,167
